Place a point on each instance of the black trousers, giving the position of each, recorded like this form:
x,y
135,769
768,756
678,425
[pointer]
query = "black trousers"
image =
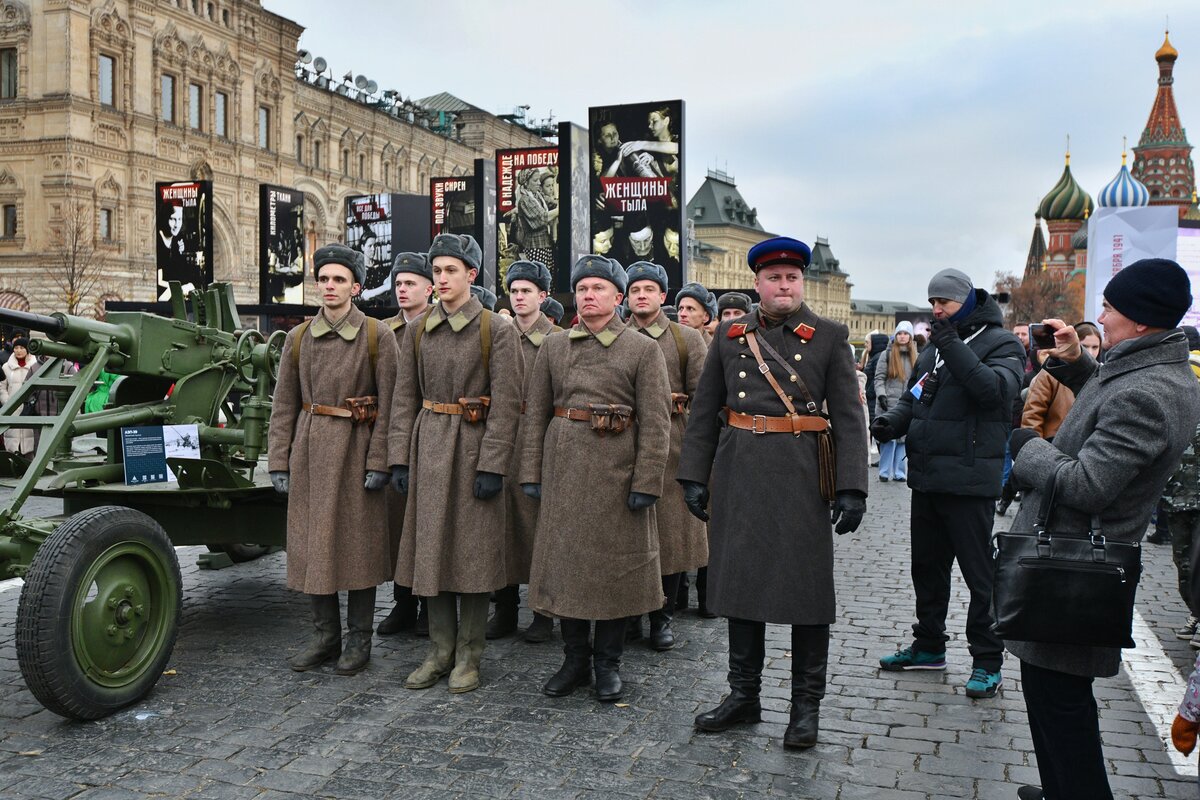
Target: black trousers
x,y
946,527
1066,734
1185,552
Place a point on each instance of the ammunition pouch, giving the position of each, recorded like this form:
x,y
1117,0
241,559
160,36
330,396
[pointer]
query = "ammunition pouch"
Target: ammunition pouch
x,y
363,409
679,403
610,418
474,409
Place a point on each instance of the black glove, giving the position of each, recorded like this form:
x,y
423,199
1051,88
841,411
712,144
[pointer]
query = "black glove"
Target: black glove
x,y
943,333
532,490
487,485
848,510
30,406
281,481
400,479
639,500
376,480
1019,438
695,495
881,403
882,430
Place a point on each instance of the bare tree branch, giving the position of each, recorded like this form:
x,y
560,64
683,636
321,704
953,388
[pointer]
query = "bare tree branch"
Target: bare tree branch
x,y
76,264
1046,295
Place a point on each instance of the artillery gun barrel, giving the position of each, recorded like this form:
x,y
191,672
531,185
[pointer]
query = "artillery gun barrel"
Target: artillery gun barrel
x,y
52,326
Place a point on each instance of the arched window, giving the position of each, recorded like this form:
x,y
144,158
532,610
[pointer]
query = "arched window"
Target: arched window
x,y
345,161
362,166
299,149
316,153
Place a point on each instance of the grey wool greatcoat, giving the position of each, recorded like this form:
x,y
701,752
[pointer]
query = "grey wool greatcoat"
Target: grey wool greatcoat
x,y
522,511
336,530
453,541
593,558
682,538
1132,418
770,539
396,502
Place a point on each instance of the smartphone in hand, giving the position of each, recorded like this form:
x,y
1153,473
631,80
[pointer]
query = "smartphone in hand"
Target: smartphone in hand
x,y
1042,336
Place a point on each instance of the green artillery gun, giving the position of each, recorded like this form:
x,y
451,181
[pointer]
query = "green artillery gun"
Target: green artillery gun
x,y
100,608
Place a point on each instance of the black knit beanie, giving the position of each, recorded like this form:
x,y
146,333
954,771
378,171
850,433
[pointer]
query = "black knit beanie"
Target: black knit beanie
x,y
1154,292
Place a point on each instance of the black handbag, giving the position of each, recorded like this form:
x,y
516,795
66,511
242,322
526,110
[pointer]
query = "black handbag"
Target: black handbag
x,y
1064,588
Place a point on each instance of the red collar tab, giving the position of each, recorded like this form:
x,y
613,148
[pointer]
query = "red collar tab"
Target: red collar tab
x,y
736,329
804,331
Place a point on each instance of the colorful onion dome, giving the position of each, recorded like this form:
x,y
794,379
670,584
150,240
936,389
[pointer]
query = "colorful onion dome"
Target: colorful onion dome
x,y
1124,191
1067,200
1166,51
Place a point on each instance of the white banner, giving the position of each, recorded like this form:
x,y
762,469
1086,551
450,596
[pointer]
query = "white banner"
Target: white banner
x,y
1117,237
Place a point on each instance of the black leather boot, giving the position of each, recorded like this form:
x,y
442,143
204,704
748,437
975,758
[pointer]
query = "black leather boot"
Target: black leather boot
x,y
360,613
576,670
633,629
810,660
504,621
403,615
747,649
702,594
681,593
422,626
540,630
327,642
661,636
607,646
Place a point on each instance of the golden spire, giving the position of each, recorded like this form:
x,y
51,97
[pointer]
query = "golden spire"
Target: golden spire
x,y
1124,147
1166,51
1068,149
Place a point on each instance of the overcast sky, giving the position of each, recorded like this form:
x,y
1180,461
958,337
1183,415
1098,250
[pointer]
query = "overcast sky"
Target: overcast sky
x,y
913,135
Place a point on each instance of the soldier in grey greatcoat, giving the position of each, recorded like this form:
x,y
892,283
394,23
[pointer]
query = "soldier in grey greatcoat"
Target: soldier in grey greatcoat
x,y
594,447
682,539
1132,418
412,282
329,430
457,401
527,283
757,428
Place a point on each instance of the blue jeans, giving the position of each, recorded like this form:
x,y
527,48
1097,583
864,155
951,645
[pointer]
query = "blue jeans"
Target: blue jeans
x,y
1007,465
893,463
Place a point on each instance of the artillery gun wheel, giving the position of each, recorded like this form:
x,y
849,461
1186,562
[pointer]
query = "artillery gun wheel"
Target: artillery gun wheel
x,y
99,612
240,553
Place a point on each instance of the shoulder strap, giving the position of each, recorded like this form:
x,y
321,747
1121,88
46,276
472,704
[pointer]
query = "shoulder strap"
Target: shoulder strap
x,y
485,344
417,334
809,403
303,329
681,347
373,341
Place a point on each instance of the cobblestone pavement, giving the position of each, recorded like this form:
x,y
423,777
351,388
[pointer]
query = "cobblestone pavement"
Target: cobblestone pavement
x,y
230,720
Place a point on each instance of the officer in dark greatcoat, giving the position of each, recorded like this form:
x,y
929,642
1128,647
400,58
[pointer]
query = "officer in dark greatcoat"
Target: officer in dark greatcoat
x,y
757,426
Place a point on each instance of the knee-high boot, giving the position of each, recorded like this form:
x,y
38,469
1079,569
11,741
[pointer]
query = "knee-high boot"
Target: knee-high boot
x,y
608,644
468,652
576,670
327,640
702,594
810,661
360,613
661,636
403,615
443,635
747,650
505,620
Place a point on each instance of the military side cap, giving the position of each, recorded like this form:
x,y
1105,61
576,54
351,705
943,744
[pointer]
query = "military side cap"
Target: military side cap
x,y
533,271
460,246
701,295
647,271
340,254
736,300
553,309
594,266
485,295
416,263
780,250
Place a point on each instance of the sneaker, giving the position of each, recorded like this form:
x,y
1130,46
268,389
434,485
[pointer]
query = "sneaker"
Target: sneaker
x,y
1188,630
908,658
983,683
1195,642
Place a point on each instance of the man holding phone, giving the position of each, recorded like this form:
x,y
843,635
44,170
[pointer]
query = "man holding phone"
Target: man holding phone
x,y
957,414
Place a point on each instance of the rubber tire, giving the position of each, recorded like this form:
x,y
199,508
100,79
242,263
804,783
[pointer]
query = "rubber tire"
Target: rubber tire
x,y
45,648
240,553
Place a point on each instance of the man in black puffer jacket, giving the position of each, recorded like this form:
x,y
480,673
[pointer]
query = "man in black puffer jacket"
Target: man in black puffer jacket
x,y
957,417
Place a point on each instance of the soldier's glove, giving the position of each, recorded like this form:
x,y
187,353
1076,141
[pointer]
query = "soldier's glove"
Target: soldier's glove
x,y
943,333
1183,734
695,495
400,479
376,480
281,481
882,430
639,501
488,485
532,490
848,510
1019,438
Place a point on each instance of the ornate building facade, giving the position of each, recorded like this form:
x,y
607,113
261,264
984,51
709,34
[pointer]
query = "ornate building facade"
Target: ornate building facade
x,y
99,99
1163,157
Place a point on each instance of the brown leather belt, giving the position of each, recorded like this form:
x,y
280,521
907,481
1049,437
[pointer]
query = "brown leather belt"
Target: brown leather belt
x,y
449,408
327,411
575,414
758,423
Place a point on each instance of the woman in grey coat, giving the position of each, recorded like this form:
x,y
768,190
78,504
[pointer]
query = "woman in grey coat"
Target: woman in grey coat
x,y
893,369
1133,416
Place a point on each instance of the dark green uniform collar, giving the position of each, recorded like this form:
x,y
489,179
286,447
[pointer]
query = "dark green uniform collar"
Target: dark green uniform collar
x,y
458,320
606,336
